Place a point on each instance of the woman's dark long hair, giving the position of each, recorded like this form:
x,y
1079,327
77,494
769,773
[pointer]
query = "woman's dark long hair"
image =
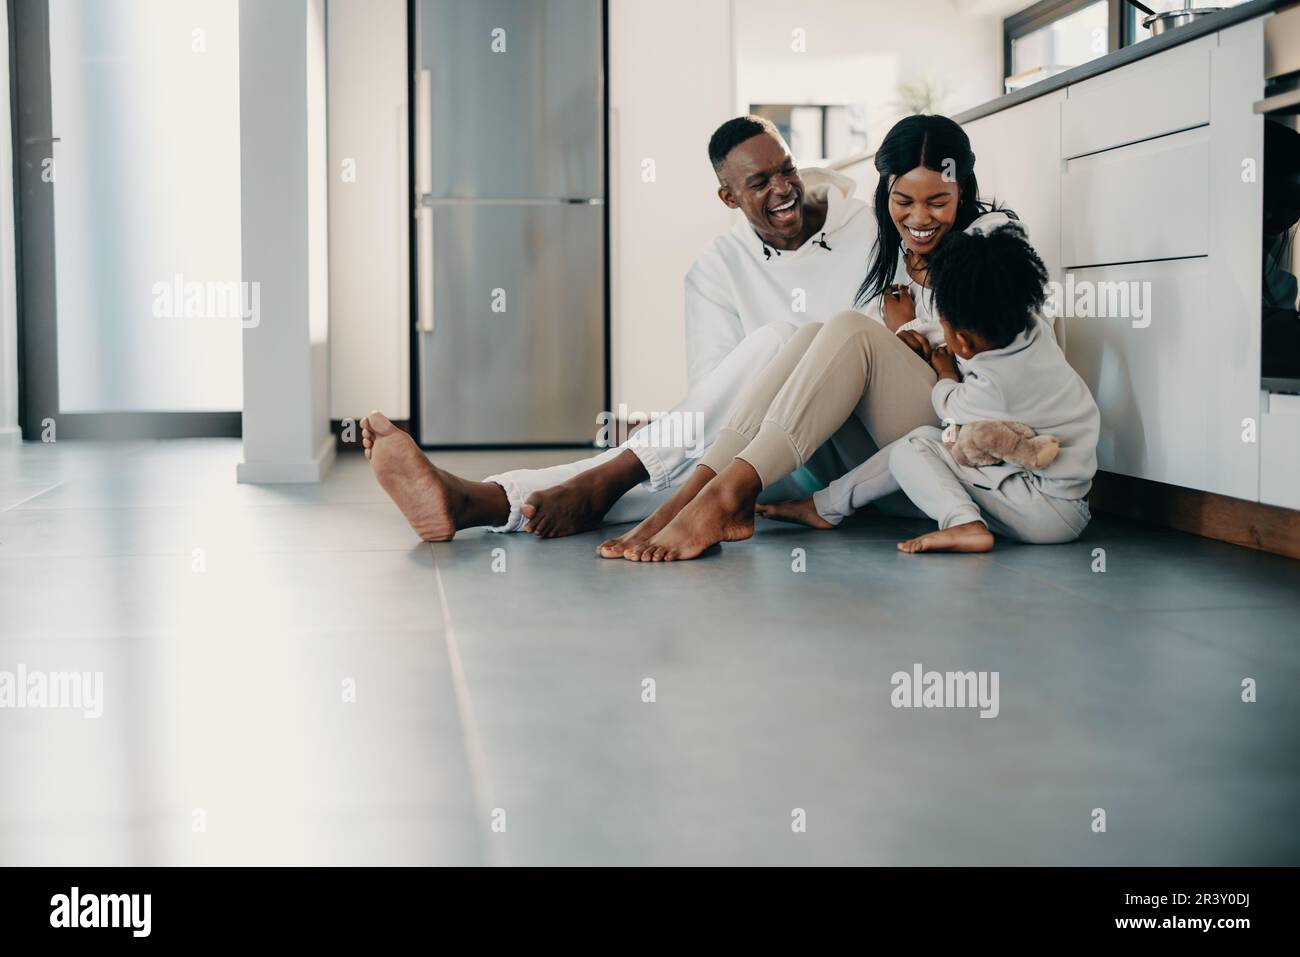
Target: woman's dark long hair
x,y
914,141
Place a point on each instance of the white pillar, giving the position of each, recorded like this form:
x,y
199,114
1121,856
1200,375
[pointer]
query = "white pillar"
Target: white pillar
x,y
282,106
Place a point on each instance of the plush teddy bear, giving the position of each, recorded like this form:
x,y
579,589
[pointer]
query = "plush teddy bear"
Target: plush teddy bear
x,y
988,443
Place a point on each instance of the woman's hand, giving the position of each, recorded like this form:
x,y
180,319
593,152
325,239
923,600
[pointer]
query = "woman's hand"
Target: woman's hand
x,y
916,342
944,364
898,309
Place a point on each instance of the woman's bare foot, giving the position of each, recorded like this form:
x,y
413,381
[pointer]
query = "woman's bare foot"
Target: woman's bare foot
x,y
802,512
722,512
657,520
434,501
580,504
967,537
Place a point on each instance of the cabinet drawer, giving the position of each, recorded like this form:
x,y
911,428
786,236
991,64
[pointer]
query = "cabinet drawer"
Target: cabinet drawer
x,y
1161,94
1141,202
1174,393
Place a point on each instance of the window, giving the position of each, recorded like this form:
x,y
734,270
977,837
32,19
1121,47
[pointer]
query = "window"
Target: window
x,y
1054,35
817,132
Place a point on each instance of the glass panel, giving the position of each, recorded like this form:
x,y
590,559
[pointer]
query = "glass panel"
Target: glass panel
x,y
817,133
145,103
1074,39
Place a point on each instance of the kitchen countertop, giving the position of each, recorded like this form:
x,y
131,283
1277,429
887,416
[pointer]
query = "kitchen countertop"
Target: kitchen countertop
x,y
1129,54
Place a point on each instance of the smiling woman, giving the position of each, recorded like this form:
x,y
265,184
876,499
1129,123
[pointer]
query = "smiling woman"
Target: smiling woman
x,y
927,187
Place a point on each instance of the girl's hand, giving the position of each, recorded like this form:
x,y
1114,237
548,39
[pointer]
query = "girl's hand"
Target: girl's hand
x,y
916,342
898,309
944,364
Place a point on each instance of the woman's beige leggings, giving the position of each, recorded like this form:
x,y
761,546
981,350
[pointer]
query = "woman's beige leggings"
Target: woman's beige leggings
x,y
852,365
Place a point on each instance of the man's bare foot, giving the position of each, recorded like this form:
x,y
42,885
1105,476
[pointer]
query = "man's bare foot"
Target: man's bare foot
x,y
434,501
722,512
802,512
657,520
580,504
967,537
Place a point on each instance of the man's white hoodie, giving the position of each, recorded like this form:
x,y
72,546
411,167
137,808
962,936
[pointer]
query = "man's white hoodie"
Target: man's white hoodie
x,y
740,284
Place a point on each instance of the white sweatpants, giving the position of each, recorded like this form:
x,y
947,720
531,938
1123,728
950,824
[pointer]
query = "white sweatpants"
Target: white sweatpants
x,y
952,494
871,483
669,461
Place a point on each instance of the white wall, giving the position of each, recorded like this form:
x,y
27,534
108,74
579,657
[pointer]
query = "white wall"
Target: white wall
x,y
369,264
859,51
9,431
284,217
671,85
680,68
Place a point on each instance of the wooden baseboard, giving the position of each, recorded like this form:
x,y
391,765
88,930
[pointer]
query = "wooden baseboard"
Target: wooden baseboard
x,y
1250,524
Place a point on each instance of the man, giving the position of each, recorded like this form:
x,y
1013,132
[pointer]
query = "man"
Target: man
x,y
798,257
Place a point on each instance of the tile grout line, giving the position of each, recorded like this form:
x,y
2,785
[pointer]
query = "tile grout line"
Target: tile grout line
x,y
1051,584
30,497
480,783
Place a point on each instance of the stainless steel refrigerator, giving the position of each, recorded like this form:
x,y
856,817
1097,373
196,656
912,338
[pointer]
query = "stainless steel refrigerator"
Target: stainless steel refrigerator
x,y
509,209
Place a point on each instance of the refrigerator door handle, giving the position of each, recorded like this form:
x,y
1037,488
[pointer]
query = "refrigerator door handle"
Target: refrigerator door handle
x,y
424,240
423,133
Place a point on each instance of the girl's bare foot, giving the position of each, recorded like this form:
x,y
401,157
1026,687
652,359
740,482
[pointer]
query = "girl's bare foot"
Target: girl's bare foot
x,y
580,504
652,524
802,512
435,502
967,537
722,512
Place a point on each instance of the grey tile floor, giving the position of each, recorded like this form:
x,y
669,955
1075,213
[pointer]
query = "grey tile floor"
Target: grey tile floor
x,y
226,737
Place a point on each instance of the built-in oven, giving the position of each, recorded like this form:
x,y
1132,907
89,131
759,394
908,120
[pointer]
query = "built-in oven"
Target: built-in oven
x,y
1280,253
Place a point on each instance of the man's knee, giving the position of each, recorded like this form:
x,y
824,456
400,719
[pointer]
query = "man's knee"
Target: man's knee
x,y
773,335
766,341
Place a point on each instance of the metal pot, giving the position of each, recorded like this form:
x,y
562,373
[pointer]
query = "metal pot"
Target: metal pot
x,y
1170,19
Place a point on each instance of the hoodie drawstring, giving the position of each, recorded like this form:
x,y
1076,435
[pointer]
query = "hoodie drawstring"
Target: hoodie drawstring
x,y
767,252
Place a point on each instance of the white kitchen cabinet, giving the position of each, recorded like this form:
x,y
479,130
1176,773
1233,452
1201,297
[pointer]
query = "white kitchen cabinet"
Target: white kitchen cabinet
x,y
1155,180
1161,94
1236,195
1174,387
1150,200
1279,456
1017,161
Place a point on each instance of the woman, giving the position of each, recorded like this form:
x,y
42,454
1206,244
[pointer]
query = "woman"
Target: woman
x,y
873,364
